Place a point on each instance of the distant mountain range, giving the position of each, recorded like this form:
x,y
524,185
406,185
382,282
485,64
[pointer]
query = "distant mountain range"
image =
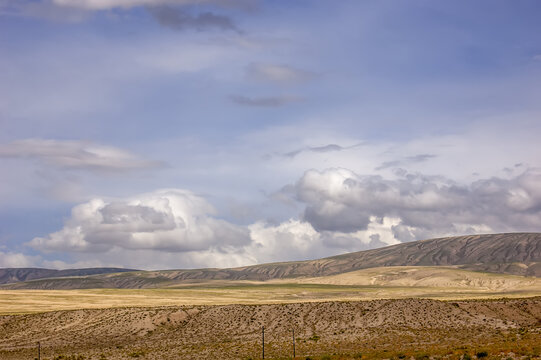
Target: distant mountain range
x,y
11,275
511,253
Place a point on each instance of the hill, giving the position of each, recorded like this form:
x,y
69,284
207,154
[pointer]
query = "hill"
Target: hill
x,y
379,329
391,282
11,275
512,253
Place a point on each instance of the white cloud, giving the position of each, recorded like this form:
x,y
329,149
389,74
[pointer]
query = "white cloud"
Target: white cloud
x,y
75,154
290,240
166,220
59,264
176,229
278,73
295,239
11,259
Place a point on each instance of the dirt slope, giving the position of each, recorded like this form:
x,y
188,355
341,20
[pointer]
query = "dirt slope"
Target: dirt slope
x,y
434,277
233,331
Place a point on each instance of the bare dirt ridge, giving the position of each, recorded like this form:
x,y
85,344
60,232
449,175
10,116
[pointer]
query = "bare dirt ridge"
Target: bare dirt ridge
x,y
511,253
344,329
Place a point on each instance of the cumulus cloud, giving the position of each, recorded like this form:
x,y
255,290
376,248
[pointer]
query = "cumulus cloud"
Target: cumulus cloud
x,y
166,220
295,239
177,229
270,101
343,212
75,155
179,19
278,73
423,206
290,240
11,259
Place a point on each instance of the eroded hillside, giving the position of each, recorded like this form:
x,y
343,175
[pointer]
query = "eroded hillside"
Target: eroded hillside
x,y
514,253
381,328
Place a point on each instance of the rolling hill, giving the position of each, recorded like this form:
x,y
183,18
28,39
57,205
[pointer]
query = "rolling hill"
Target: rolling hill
x,y
12,275
511,253
379,329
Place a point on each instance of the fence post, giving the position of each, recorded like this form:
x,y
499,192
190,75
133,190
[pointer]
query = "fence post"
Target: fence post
x,y
293,330
39,350
263,340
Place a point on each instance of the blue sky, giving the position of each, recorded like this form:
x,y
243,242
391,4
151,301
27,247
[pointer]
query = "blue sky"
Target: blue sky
x,y
182,133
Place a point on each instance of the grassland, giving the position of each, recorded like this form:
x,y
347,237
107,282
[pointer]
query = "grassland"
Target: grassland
x,y
378,313
443,283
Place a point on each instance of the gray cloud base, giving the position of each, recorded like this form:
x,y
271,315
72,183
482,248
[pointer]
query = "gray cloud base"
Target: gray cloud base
x,y
340,200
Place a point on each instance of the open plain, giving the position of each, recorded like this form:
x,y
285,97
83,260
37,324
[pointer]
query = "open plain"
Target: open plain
x,y
441,298
397,282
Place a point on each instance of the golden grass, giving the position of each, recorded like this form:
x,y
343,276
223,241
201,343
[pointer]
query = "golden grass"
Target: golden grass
x,y
369,284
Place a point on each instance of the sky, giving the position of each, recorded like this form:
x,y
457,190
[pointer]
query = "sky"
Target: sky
x,y
169,134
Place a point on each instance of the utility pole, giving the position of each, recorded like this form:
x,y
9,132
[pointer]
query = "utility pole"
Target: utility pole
x,y
293,330
39,350
263,340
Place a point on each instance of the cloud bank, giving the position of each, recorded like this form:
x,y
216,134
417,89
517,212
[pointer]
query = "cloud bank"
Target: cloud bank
x,y
343,212
425,206
174,228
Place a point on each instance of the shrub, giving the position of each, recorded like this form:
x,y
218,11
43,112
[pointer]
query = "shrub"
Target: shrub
x,y
136,354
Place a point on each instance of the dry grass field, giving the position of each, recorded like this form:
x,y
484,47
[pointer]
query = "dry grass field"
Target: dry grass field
x,y
380,313
443,283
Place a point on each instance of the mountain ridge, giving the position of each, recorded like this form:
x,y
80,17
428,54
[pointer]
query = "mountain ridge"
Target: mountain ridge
x,y
11,275
507,253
